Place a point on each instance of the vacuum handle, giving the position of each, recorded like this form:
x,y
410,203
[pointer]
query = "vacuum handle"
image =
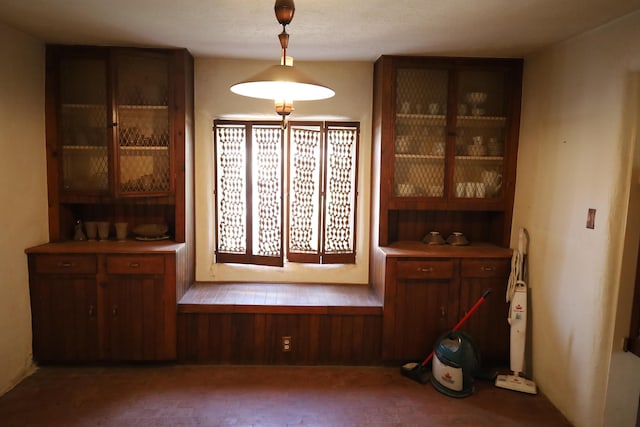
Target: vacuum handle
x,y
484,295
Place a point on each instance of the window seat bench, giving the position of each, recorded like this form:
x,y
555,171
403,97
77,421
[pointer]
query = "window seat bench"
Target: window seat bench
x,y
247,323
280,298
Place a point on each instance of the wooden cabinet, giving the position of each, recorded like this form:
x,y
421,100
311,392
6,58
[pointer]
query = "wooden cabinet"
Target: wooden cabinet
x,y
107,305
444,151
140,306
488,325
426,296
64,303
445,134
119,137
119,131
417,307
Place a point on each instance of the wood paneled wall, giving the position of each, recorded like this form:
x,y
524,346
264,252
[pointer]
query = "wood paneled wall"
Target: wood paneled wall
x,y
256,338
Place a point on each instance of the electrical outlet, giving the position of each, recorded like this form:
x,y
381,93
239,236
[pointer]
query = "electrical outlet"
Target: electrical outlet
x,y
286,344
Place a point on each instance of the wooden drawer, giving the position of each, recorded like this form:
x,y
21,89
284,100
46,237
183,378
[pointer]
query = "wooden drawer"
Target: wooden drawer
x,y
432,269
135,264
65,264
485,267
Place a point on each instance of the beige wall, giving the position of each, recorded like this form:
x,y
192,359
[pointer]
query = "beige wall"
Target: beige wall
x,y
22,191
352,82
577,138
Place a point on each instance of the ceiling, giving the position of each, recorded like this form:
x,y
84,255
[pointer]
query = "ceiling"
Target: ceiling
x,y
322,30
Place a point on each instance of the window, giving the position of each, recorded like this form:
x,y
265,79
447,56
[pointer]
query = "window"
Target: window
x,y
321,171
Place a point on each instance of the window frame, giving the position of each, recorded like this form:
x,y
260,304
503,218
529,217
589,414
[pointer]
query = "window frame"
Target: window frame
x,y
319,258
248,257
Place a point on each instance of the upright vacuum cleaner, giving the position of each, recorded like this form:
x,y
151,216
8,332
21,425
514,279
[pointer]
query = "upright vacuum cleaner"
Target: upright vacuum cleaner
x,y
517,295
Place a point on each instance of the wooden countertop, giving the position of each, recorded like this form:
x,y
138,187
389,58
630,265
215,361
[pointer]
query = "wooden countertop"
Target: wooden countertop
x,y
109,246
420,250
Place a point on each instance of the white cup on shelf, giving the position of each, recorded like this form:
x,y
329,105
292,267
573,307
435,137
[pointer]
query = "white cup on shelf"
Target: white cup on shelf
x,y
470,189
103,230
481,189
121,230
92,229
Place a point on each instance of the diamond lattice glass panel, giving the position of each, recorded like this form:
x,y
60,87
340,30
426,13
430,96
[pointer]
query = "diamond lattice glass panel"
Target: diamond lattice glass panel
x,y
340,191
481,132
420,137
267,190
304,190
231,188
143,124
83,124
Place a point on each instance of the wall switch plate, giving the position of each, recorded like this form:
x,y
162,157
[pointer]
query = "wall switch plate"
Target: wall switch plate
x,y
591,218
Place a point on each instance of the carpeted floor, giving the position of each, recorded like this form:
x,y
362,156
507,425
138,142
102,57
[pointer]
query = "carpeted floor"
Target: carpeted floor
x,y
207,395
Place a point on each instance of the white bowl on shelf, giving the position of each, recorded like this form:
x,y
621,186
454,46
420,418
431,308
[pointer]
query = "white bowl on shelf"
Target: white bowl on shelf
x,y
405,189
476,98
476,150
403,144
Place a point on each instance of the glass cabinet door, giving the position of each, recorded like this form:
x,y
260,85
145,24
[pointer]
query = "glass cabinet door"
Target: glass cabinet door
x,y
143,132
84,124
420,132
481,121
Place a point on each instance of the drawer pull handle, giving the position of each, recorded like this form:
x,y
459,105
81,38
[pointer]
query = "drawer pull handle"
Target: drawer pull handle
x,y
485,268
114,310
92,311
442,312
66,264
426,269
134,264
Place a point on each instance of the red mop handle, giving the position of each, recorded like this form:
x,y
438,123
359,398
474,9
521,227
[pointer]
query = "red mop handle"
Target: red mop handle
x,y
475,306
484,295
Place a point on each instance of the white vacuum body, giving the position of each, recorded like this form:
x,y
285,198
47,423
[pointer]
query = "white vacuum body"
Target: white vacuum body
x,y
517,295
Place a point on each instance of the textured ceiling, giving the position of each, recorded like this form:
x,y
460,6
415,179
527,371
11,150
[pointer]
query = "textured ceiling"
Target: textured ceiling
x,y
321,29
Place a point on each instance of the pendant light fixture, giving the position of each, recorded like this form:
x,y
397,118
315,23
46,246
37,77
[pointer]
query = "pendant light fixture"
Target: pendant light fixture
x,y
283,83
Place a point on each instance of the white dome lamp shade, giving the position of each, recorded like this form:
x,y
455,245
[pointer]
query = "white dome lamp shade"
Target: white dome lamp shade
x,y
283,83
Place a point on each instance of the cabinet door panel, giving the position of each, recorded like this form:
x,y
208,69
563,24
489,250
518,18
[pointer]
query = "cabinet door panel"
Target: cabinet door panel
x,y
488,325
420,131
137,322
144,135
421,310
84,120
64,313
481,132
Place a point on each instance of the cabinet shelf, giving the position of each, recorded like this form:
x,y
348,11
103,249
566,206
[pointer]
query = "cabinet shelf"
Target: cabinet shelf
x,y
143,148
439,119
481,158
419,157
85,147
143,107
473,120
83,106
